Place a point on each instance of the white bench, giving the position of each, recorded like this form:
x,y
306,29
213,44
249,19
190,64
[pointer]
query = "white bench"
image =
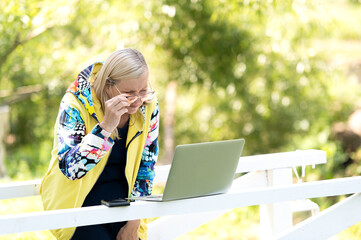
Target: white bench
x,y
268,183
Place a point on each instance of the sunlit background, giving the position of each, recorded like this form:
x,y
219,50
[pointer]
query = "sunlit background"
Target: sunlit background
x,y
284,75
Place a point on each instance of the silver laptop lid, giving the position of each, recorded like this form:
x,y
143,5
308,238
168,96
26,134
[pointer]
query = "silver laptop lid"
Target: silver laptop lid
x,y
202,169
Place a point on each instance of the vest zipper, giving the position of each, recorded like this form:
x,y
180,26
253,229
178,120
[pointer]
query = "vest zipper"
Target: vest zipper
x,y
136,135
126,151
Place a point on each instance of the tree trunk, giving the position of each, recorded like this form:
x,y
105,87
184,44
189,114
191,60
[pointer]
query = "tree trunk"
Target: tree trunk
x,y
169,122
4,127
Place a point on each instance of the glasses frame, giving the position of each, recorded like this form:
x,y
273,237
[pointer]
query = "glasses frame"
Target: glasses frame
x,y
136,95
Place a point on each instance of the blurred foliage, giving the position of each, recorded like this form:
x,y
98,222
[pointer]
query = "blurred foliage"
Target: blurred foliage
x,y
252,71
260,70
48,43
246,69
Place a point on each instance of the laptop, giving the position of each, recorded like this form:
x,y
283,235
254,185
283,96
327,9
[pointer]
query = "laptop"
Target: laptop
x,y
200,169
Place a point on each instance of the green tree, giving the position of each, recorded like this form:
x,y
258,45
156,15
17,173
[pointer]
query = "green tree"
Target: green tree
x,y
248,69
42,47
242,68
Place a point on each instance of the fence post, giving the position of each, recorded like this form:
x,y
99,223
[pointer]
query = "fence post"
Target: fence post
x,y
276,217
4,127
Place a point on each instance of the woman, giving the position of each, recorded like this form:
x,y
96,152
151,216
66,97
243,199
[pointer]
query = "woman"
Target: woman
x,y
106,144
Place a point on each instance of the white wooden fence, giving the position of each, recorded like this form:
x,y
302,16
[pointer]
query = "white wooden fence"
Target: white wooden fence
x,y
268,182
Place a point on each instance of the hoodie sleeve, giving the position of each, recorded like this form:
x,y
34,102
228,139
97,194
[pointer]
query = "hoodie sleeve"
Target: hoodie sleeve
x,y
144,181
78,151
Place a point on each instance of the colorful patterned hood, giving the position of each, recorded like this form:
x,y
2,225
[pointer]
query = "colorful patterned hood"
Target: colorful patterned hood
x,y
81,87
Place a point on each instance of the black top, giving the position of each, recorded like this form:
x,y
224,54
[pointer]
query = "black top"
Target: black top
x,y
111,183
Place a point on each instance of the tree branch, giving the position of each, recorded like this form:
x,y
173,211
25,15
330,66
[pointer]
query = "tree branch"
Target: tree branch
x,y
34,33
15,44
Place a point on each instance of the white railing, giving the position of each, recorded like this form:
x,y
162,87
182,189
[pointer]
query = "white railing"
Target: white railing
x,y
268,183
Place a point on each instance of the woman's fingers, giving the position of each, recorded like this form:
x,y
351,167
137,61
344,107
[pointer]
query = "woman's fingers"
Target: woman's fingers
x,y
122,111
117,103
114,109
118,99
133,100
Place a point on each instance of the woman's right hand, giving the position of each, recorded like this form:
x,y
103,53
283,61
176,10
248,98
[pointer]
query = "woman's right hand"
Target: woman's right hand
x,y
115,108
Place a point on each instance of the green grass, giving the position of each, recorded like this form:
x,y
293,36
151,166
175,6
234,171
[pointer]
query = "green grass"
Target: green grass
x,y
240,223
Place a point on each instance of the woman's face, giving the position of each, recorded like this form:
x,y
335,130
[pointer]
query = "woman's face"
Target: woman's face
x,y
134,86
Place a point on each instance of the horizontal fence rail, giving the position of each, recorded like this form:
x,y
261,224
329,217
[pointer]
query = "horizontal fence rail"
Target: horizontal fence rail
x,y
138,210
267,182
246,164
327,223
19,189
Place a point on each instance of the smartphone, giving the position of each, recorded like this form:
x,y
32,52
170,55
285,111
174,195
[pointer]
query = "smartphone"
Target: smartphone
x,y
115,202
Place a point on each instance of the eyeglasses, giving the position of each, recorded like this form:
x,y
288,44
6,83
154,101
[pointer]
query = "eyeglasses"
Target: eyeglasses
x,y
144,96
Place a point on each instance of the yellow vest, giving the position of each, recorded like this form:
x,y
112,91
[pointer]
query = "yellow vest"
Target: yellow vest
x,y
59,192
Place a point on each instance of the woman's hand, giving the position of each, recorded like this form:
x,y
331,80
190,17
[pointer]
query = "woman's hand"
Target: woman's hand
x,y
129,231
115,108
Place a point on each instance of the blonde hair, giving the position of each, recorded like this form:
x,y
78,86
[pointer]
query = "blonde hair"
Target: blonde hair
x,y
122,64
